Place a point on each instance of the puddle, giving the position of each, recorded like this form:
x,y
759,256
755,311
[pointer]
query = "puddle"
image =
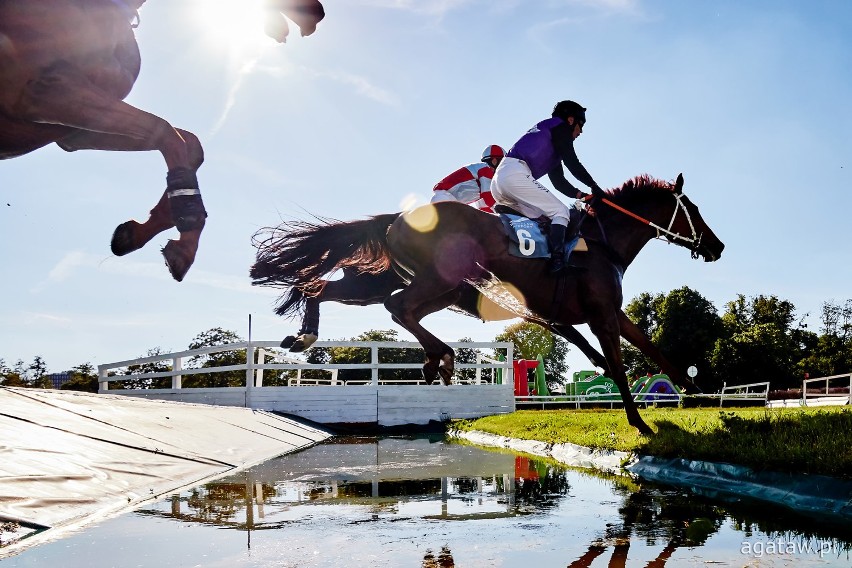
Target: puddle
x,y
423,502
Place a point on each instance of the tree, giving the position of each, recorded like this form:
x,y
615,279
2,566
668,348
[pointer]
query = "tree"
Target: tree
x,y
37,372
468,356
160,366
683,325
343,355
84,377
11,377
531,340
830,353
642,310
760,343
33,375
211,338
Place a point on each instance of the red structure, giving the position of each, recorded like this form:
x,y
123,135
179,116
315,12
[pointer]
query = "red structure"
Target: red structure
x,y
521,366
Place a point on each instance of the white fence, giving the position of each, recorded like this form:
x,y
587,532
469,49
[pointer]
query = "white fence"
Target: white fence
x,y
820,398
381,400
822,395
751,391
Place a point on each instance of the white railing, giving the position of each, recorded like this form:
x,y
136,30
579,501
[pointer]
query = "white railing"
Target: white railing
x,y
258,351
751,391
847,382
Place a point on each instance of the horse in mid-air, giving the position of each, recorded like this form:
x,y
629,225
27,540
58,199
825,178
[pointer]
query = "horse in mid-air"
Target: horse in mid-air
x,y
443,250
66,67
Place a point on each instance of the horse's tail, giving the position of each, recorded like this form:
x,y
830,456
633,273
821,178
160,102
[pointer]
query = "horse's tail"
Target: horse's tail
x,y
299,254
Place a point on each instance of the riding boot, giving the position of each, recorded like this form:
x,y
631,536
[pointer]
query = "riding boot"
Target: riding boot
x,y
556,242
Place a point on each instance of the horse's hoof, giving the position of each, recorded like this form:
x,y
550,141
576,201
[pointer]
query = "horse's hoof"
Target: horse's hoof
x,y
303,342
446,375
177,261
446,369
288,341
430,372
122,239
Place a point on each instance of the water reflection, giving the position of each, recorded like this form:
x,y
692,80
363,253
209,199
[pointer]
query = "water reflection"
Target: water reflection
x,y
506,505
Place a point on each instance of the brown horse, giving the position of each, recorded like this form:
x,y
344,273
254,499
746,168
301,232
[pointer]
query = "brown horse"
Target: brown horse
x,y
65,68
443,247
365,289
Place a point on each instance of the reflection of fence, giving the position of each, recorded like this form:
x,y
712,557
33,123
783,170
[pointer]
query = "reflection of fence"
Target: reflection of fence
x,y
825,396
381,398
751,391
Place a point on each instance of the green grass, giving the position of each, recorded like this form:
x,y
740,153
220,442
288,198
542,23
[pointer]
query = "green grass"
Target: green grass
x,y
815,441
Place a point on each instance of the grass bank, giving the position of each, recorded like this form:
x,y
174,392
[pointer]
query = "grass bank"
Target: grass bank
x,y
815,441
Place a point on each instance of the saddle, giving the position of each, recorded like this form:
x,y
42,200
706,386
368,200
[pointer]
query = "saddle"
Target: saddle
x,y
528,237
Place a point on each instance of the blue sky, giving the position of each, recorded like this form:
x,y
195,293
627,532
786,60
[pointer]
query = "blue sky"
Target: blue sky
x,y
750,100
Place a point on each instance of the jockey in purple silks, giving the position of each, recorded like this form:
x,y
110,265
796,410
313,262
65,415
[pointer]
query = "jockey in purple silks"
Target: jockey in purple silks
x,y
543,150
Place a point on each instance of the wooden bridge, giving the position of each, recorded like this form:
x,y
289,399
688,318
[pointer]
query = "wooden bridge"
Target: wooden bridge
x,y
376,399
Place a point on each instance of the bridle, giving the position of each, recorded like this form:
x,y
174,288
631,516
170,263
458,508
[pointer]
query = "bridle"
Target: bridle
x,y
693,243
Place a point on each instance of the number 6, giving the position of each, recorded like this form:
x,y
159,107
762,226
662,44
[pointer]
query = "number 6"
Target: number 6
x,y
525,243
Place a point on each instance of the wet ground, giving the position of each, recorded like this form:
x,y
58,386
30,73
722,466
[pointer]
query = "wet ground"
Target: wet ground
x,y
423,502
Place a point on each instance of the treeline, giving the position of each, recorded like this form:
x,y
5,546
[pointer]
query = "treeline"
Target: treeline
x,y
755,339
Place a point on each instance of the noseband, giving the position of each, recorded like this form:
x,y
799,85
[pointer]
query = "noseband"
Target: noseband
x,y
693,243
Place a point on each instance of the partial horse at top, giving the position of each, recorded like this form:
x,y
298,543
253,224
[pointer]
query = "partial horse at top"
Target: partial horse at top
x,y
66,67
305,13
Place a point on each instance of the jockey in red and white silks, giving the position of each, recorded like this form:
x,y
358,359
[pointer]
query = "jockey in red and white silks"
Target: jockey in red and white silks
x,y
471,184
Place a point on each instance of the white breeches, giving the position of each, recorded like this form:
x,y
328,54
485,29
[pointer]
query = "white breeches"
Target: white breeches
x,y
514,186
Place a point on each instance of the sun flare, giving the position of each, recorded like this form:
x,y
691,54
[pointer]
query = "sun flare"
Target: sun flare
x,y
237,24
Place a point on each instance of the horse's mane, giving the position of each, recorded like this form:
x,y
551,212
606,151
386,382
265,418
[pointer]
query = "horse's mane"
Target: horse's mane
x,y
638,184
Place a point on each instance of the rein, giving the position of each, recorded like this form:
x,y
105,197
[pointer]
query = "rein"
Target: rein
x,y
693,243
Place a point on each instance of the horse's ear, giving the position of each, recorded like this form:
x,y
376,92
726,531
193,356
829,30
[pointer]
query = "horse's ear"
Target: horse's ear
x,y
679,183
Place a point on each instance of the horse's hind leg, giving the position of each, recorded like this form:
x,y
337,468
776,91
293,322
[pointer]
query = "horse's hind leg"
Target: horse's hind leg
x,y
414,303
570,333
353,289
63,96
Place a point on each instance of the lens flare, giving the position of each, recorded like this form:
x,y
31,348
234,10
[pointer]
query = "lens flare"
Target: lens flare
x,y
422,219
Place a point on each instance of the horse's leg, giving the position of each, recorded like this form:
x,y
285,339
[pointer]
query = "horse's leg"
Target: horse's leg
x,y
309,331
606,330
631,332
570,333
354,289
132,235
64,96
423,296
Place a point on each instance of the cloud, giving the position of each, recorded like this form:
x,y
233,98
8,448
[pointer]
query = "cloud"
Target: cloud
x,y
75,261
436,8
362,85
243,72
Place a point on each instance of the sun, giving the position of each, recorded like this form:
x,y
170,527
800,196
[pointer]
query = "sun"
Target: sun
x,y
237,24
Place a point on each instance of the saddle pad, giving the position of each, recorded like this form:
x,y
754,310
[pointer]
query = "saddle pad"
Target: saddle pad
x,y
527,240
